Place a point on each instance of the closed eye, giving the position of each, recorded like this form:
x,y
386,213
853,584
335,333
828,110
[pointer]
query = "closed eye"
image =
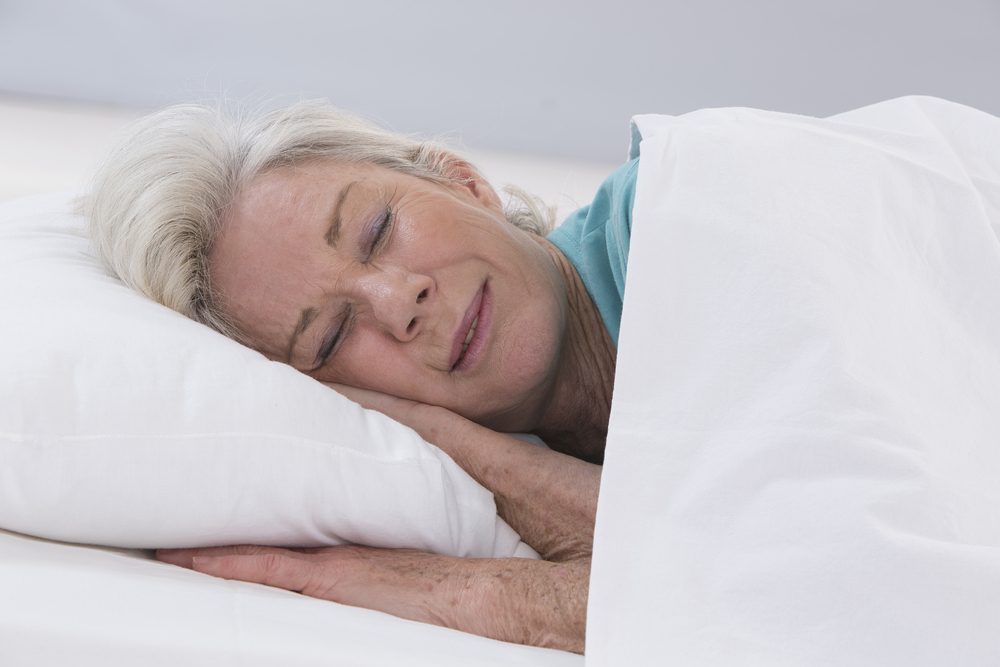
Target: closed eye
x,y
333,340
380,235
377,239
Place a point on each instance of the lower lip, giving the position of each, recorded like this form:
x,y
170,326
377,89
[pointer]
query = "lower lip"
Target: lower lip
x,y
482,334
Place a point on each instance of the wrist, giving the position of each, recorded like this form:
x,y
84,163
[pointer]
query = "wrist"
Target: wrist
x,y
526,602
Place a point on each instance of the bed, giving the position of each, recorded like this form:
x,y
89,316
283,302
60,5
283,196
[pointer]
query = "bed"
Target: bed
x,y
802,459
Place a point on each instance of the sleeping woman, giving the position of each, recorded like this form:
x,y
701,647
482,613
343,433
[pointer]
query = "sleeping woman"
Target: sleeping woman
x,y
389,269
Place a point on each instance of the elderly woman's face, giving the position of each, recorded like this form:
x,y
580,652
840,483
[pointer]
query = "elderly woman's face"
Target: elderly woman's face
x,y
369,277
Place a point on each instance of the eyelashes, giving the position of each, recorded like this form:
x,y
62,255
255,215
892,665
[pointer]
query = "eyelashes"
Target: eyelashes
x,y
378,238
334,337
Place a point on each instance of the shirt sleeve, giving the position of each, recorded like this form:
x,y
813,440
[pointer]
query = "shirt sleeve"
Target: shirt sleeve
x,y
595,239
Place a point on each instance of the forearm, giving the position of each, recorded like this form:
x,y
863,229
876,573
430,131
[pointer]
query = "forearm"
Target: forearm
x,y
549,498
523,601
530,602
511,599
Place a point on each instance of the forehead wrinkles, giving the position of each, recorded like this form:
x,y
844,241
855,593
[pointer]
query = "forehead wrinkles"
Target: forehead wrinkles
x,y
263,261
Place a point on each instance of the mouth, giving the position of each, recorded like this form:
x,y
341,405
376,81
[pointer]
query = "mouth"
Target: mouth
x,y
468,337
472,333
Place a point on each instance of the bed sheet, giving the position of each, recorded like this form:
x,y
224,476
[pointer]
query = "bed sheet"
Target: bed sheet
x,y
91,606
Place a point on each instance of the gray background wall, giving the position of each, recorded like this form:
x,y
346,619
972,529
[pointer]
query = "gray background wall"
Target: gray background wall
x,y
557,78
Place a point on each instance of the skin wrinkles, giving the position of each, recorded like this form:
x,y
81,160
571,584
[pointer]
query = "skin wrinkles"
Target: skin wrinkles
x,y
273,262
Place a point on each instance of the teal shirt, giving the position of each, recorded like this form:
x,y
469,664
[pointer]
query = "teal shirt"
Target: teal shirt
x,y
596,238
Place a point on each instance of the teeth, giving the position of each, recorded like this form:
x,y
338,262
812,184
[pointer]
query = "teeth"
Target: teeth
x,y
472,330
468,337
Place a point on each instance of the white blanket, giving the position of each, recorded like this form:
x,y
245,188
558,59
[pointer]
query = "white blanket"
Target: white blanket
x,y
803,465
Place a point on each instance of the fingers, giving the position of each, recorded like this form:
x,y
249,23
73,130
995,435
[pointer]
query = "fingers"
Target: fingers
x,y
391,580
183,557
269,568
417,416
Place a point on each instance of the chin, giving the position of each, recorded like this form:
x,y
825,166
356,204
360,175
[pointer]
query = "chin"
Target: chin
x,y
527,381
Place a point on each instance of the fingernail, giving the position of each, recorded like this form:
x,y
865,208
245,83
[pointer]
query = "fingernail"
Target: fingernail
x,y
201,560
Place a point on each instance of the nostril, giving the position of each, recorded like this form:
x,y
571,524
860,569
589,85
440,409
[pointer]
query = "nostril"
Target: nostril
x,y
421,296
411,325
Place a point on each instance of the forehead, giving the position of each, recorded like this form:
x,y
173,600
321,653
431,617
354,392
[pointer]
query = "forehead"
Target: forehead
x,y
268,240
287,193
285,206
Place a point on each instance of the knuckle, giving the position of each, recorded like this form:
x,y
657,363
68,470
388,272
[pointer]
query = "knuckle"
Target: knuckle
x,y
272,565
246,550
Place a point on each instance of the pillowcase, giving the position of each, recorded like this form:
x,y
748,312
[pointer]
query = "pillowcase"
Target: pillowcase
x,y
126,424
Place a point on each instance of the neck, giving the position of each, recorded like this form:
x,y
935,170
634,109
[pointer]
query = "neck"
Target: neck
x,y
575,421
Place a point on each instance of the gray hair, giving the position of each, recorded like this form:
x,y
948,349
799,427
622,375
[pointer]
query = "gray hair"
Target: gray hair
x,y
156,204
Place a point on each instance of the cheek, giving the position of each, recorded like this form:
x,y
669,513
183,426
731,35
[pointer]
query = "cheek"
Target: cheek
x,y
532,349
367,362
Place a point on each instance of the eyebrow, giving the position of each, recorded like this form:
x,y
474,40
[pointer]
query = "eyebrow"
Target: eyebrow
x,y
333,231
306,318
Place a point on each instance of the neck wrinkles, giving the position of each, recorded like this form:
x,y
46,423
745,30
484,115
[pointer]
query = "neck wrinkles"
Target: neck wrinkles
x,y
576,419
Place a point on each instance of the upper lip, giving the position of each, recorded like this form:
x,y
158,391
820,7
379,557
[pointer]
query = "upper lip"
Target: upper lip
x,y
464,325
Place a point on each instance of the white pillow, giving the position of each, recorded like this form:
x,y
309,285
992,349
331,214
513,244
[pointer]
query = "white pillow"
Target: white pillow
x,y
126,424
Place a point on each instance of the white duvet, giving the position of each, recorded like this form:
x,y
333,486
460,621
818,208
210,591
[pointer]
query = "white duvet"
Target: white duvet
x,y
803,465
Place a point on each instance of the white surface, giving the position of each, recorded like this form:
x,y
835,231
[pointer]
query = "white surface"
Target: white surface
x,y
90,607
804,449
47,145
559,78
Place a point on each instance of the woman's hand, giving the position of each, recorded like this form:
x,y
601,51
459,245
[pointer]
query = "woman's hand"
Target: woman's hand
x,y
549,498
511,599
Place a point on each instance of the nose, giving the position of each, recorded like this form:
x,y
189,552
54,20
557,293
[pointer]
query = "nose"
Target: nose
x,y
399,300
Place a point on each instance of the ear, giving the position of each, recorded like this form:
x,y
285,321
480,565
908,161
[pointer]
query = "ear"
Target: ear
x,y
466,177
